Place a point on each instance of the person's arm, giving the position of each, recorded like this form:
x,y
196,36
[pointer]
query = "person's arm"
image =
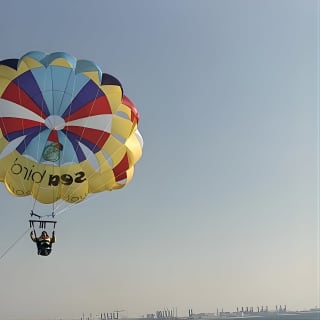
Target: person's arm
x,y
33,237
53,238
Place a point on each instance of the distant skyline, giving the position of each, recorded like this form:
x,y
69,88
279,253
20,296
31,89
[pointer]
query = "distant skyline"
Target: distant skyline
x,y
263,312
223,209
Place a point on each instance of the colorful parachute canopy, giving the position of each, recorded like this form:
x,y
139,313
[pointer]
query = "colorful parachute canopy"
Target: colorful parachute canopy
x,y
66,129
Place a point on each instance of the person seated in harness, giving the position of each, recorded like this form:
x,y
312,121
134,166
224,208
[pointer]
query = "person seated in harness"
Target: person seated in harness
x,y
44,242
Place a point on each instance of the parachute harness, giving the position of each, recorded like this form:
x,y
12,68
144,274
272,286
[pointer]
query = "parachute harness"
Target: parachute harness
x,y
42,223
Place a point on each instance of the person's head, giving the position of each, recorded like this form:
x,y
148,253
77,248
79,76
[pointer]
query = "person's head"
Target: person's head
x,y
44,234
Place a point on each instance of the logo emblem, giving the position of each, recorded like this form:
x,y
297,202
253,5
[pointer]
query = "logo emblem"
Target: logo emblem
x,y
52,152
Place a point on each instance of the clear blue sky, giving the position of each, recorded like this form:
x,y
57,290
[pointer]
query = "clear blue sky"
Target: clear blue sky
x,y
223,209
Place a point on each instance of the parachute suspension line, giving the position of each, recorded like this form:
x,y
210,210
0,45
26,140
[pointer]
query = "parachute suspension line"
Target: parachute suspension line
x,y
14,243
62,210
70,205
81,136
53,166
35,201
53,192
75,153
58,111
35,196
53,213
54,209
93,196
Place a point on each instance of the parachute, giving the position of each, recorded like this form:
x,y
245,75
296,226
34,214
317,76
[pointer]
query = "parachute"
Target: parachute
x,y
66,129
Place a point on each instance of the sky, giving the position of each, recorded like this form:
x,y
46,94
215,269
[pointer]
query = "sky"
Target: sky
x,y
223,210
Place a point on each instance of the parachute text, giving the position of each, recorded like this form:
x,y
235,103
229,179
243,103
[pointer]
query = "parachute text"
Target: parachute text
x,y
66,179
18,192
53,179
